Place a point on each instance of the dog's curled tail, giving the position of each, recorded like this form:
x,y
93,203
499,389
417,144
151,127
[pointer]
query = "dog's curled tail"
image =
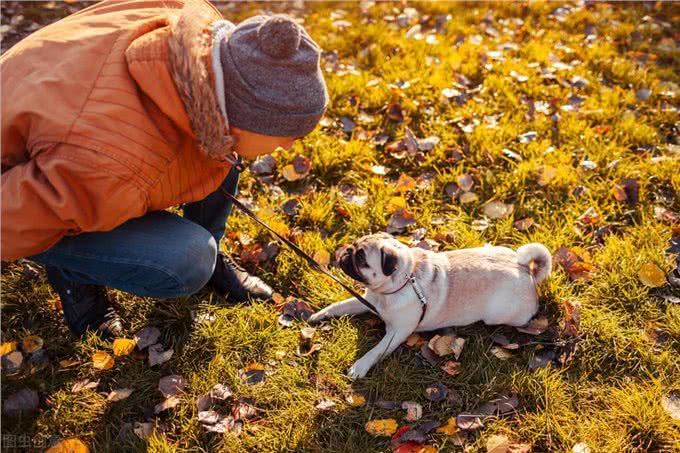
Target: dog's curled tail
x,y
537,258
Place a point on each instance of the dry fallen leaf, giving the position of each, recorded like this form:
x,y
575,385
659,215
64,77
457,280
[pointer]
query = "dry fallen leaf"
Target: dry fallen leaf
x,y
580,447
650,275
405,183
32,343
451,368
7,347
157,356
84,384
356,399
119,394
24,400
73,445
415,341
536,326
166,404
444,345
572,319
450,428
322,257
146,337
468,197
102,360
413,411
671,405
468,422
524,224
436,393
384,427
325,405
501,353
66,363
498,209
575,266
546,173
171,385
12,362
465,182
123,346
143,430
253,374
497,444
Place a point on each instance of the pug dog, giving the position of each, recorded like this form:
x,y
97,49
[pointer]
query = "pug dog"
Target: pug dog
x,y
492,284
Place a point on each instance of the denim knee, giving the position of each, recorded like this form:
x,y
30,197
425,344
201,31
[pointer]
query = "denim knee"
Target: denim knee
x,y
192,265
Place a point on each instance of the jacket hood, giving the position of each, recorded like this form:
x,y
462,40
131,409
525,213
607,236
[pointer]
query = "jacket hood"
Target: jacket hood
x,y
190,59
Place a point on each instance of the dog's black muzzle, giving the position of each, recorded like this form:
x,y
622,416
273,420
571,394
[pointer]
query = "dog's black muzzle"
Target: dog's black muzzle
x,y
348,264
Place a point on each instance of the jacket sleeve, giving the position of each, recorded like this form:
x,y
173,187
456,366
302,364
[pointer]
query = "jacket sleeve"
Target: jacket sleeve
x,y
61,192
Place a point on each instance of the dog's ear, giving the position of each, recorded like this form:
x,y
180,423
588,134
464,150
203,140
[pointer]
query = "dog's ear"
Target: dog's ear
x,y
388,261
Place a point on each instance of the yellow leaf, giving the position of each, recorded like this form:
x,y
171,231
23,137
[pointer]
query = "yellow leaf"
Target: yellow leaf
x,y
384,427
322,257
32,343
395,204
415,341
72,445
468,197
290,174
450,428
651,275
356,400
102,360
7,347
546,173
427,449
123,346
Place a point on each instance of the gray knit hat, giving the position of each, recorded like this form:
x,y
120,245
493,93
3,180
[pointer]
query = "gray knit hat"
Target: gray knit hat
x,y
272,79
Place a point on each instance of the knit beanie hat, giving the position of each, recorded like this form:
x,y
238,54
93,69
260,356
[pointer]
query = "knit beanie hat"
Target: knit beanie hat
x,y
273,83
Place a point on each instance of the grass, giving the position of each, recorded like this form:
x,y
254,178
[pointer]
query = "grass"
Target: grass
x,y
608,396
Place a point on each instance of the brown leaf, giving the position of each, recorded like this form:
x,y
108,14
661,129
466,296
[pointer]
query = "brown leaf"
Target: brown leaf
x,y
325,405
589,217
497,444
627,191
32,343
447,344
146,337
405,183
25,400
497,209
436,393
413,411
451,368
572,319
157,356
168,403
465,182
524,224
400,220
253,374
171,385
415,341
573,264
84,384
501,353
536,326
468,422
119,394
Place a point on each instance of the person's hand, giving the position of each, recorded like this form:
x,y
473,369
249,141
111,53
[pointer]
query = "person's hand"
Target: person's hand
x,y
251,145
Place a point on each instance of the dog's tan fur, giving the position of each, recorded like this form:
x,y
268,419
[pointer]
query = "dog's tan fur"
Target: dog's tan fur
x,y
495,285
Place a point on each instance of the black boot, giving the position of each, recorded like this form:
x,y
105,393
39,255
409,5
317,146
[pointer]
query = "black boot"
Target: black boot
x,y
231,279
86,307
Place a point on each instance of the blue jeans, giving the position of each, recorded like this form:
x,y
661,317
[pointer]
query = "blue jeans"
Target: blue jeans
x,y
159,255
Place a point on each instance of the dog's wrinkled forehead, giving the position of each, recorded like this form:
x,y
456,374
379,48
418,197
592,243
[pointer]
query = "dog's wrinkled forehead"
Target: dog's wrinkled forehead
x,y
373,240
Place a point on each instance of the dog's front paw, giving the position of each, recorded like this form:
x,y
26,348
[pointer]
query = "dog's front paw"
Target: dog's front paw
x,y
358,370
317,317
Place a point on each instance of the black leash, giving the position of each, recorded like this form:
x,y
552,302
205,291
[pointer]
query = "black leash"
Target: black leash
x,y
311,261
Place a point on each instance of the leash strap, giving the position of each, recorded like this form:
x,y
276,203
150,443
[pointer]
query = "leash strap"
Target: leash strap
x,y
298,251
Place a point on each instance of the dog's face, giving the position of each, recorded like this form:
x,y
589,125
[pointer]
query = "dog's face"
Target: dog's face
x,y
373,260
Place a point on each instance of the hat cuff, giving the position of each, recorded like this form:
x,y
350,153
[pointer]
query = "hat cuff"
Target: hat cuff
x,y
266,122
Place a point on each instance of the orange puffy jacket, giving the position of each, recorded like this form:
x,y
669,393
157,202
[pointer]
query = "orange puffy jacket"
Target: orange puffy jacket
x,y
106,115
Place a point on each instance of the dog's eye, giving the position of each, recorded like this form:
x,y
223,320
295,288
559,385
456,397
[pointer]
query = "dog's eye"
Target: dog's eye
x,y
361,257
